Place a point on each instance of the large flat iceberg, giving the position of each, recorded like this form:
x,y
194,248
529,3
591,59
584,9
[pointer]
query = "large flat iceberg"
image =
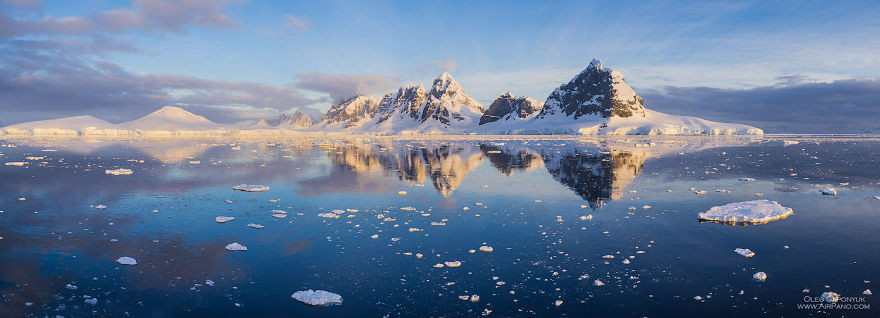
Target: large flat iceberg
x,y
317,297
748,212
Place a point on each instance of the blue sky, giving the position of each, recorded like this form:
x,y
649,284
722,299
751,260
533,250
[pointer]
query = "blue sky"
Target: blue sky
x,y
245,59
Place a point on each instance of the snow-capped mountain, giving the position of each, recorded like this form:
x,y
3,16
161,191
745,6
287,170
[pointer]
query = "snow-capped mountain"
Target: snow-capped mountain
x,y
171,118
347,113
448,106
597,101
298,120
511,107
596,91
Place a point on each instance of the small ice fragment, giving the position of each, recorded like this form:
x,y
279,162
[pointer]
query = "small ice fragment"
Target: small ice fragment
x,y
558,303
250,188
374,236
486,249
254,226
828,191
118,172
273,200
91,301
279,215
867,292
746,179
209,282
70,287
465,297
829,297
236,247
760,276
125,260
401,192
452,264
744,252
329,215
626,261
438,265
317,297
223,219
598,283
583,206
608,256
586,217
228,201
698,298
100,207
475,298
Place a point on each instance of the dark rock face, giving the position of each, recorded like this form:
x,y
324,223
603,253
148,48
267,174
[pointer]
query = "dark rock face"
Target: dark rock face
x,y
447,102
508,106
595,91
405,103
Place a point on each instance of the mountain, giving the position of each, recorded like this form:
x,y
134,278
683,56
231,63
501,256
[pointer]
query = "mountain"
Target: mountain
x,y
348,112
299,120
171,118
510,107
597,101
448,106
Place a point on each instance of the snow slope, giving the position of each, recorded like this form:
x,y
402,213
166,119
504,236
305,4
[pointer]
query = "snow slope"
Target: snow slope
x,y
77,125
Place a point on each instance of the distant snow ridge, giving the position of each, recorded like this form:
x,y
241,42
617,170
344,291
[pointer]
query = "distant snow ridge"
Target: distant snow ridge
x,y
511,107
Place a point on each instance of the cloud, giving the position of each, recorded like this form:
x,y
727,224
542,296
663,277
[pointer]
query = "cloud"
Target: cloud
x,y
293,22
147,15
447,64
41,83
340,86
841,106
22,3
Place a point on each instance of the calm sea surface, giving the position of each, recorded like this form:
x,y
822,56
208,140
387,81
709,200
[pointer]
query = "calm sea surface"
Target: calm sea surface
x,y
558,214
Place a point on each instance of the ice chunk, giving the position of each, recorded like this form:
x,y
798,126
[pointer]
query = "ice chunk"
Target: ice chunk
x,y
91,301
100,207
748,212
598,283
250,187
329,215
744,252
70,287
118,172
452,264
746,179
828,191
254,226
558,303
223,219
867,292
16,163
760,276
228,201
125,260
317,297
486,249
236,247
829,297
209,282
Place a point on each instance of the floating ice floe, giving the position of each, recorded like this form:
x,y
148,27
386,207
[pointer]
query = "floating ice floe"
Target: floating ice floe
x,y
236,247
829,297
125,260
748,212
329,215
558,303
119,172
867,292
486,249
828,191
744,252
70,287
760,276
746,179
91,301
100,207
401,192
250,188
586,217
254,226
598,283
374,236
209,282
452,264
16,163
223,219
317,297
228,201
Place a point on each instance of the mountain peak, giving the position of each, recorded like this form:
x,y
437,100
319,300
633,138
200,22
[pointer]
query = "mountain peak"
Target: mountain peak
x,y
595,64
596,91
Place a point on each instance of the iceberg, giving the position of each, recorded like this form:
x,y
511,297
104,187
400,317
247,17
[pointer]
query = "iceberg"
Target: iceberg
x,y
125,260
760,276
119,172
748,212
250,188
236,247
744,252
223,219
317,297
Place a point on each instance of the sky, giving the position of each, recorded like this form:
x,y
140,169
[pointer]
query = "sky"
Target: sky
x,y
786,67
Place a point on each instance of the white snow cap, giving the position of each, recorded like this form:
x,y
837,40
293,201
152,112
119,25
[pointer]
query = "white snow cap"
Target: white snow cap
x,y
317,297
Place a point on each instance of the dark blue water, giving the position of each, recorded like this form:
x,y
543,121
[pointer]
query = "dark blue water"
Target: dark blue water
x,y
524,198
